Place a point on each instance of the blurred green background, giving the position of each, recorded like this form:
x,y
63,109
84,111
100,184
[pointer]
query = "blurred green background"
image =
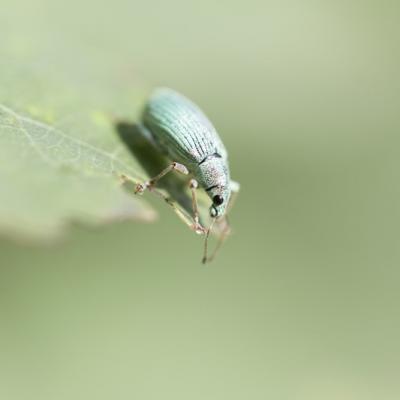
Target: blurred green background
x,y
303,300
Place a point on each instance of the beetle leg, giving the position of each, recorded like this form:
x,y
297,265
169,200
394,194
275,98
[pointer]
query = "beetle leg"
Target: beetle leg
x,y
182,214
193,185
141,187
191,221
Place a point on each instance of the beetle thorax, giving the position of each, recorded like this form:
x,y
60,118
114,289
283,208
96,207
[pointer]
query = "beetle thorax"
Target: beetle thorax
x,y
213,173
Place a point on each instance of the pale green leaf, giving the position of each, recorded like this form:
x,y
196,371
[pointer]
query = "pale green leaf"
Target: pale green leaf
x,y
60,155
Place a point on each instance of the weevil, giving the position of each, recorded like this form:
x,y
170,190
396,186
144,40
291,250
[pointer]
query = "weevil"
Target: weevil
x,y
179,129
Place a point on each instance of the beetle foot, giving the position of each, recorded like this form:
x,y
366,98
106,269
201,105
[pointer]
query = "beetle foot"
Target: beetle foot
x,y
198,228
141,187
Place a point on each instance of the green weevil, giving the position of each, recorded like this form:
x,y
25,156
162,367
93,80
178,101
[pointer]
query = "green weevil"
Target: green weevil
x,y
180,130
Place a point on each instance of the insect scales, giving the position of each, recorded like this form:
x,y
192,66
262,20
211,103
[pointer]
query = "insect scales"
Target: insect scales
x,y
179,129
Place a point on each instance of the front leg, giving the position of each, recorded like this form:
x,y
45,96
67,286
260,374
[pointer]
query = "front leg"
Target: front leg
x,y
197,227
141,187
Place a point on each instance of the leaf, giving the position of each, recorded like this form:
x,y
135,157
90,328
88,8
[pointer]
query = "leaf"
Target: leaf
x,y
60,155
64,90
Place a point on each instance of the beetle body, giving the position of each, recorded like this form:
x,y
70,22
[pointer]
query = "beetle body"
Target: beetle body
x,y
179,129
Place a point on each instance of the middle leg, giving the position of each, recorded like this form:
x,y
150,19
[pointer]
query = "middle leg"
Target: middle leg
x,y
141,187
197,227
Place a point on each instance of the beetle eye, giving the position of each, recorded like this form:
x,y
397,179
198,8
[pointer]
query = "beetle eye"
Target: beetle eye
x,y
218,200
